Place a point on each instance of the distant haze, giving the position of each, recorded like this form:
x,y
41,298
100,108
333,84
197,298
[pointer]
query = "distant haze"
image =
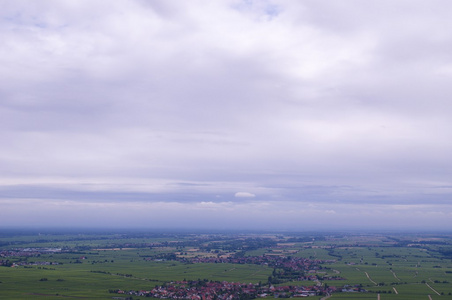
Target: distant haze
x,y
226,114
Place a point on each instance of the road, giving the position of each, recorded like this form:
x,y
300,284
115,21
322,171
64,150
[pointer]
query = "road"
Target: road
x,y
433,289
370,278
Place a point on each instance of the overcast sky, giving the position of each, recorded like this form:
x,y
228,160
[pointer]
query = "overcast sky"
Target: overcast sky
x,y
251,114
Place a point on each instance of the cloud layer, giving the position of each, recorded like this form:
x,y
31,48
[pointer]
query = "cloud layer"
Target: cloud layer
x,y
181,107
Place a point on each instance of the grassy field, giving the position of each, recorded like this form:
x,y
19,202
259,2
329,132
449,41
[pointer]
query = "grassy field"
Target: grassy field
x,y
90,265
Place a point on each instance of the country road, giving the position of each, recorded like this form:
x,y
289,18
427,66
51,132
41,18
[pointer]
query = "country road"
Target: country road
x,y
433,289
395,276
370,278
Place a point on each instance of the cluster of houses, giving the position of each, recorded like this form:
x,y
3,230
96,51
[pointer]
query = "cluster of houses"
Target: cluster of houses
x,y
306,269
301,268
34,263
214,290
8,263
27,252
285,262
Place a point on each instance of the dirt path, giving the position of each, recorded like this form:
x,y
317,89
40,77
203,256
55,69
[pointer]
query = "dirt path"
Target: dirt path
x,y
395,291
368,277
378,297
430,297
433,289
258,271
395,276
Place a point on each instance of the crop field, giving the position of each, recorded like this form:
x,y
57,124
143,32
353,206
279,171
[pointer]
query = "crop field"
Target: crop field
x,y
340,266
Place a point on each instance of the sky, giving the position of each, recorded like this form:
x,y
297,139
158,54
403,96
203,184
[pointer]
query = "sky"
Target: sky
x,y
227,114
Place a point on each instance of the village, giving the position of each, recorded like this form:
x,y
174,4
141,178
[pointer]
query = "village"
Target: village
x,y
284,269
210,290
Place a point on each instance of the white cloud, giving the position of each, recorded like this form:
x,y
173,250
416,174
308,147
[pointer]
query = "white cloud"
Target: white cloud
x,y
244,195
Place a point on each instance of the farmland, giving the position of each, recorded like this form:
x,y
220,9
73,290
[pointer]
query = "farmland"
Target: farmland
x,y
158,264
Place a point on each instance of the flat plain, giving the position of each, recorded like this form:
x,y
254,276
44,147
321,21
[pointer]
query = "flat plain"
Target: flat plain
x,y
135,264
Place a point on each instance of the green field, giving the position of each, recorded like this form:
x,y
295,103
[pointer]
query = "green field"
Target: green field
x,y
89,266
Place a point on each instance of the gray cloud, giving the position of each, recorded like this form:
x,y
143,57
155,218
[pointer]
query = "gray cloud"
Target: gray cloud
x,y
187,103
